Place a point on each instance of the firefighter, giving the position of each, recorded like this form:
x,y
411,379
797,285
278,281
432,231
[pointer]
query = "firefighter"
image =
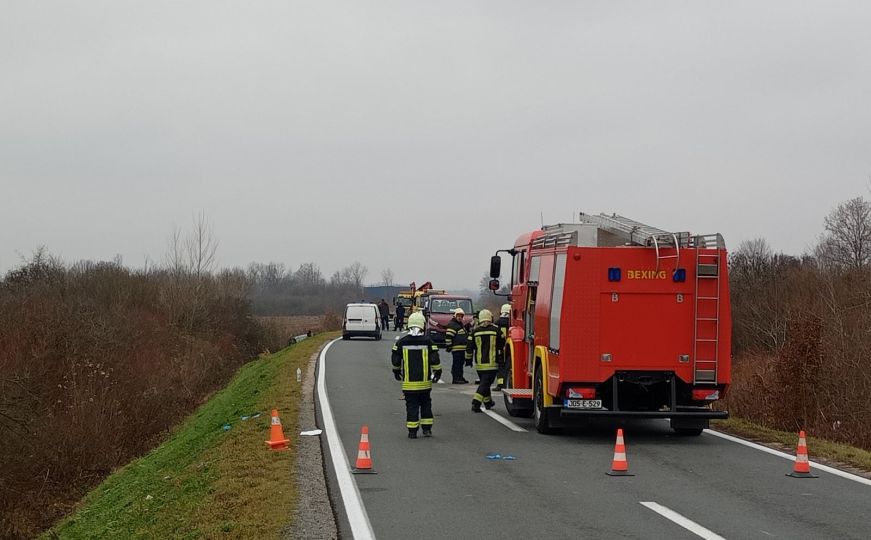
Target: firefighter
x,y
503,324
415,360
484,343
398,318
455,342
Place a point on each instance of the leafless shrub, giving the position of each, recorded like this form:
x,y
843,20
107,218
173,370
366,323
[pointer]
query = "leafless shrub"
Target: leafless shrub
x,y
97,363
802,343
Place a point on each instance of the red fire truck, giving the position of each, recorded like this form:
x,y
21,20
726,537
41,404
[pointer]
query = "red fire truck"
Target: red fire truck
x,y
614,318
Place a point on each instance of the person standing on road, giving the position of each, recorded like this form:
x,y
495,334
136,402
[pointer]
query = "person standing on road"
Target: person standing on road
x,y
398,317
484,343
384,310
455,343
415,360
503,323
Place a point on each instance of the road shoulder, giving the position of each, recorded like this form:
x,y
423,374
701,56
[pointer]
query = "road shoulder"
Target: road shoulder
x,y
313,517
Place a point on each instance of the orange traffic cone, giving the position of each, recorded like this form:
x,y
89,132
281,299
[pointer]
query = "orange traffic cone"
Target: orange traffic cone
x,y
802,467
364,460
276,435
619,467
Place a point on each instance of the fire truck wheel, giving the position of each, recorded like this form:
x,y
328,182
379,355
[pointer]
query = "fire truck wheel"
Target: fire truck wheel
x,y
539,413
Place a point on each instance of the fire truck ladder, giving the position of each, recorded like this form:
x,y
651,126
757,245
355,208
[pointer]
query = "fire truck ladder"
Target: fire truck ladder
x,y
638,233
706,330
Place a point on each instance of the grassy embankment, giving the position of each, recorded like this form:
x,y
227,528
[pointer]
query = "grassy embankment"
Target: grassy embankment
x,y
819,449
205,481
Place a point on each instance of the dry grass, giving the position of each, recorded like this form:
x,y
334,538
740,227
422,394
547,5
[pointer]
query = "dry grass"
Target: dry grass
x,y
205,482
832,453
286,327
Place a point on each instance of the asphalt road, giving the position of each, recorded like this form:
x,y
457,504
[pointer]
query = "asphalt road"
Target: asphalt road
x,y
446,487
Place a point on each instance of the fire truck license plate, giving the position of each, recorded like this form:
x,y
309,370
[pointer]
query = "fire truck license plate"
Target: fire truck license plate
x,y
583,403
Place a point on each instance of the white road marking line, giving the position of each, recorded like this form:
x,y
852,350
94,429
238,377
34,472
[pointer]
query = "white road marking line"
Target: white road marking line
x,y
686,523
361,528
784,455
504,421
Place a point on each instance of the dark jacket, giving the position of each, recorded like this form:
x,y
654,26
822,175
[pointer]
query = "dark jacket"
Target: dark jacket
x,y
455,336
485,342
503,323
384,309
416,360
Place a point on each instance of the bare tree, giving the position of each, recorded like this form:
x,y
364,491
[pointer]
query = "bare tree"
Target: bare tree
x,y
357,273
847,240
200,247
752,259
174,258
309,276
387,277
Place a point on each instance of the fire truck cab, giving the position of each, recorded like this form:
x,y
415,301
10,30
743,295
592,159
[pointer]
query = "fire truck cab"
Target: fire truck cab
x,y
614,318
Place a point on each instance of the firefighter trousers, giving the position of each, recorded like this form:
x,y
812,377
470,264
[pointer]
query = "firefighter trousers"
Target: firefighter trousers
x,y
418,409
459,358
482,393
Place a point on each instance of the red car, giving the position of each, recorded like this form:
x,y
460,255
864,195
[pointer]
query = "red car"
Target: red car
x,y
439,309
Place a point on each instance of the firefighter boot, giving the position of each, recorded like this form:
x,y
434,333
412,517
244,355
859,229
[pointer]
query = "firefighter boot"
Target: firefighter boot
x,y
427,432
490,404
412,433
476,405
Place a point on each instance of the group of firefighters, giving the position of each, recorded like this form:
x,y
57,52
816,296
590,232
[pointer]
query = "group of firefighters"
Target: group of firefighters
x,y
415,361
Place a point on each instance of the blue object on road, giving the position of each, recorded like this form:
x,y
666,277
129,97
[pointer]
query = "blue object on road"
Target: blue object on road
x,y
494,456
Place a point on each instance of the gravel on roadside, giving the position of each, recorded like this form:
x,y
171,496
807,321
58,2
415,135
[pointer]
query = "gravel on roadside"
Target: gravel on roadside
x,y
313,517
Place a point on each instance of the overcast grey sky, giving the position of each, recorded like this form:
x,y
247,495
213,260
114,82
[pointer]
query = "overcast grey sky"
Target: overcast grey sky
x,y
422,136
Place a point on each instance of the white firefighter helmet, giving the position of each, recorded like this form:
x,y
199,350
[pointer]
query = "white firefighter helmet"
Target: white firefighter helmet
x,y
485,316
416,320
506,309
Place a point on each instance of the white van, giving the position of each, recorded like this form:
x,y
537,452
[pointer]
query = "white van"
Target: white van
x,y
361,320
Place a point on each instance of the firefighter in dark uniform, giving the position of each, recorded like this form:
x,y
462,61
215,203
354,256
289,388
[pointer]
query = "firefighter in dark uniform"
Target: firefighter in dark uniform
x,y
455,343
415,360
484,343
503,323
398,318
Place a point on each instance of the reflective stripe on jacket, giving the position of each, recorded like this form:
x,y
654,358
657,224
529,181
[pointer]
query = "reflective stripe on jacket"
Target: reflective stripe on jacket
x,y
484,345
415,358
455,336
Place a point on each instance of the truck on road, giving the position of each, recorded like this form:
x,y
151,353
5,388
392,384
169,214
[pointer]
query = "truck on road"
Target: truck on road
x,y
614,318
439,310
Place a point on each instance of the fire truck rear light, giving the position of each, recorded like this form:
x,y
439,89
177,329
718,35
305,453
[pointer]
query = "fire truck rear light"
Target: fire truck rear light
x,y
581,392
614,274
705,394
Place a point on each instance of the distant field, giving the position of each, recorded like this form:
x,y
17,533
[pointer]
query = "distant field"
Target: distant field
x,y
286,327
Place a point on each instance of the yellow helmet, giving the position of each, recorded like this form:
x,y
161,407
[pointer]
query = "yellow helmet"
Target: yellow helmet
x,y
506,309
485,316
416,320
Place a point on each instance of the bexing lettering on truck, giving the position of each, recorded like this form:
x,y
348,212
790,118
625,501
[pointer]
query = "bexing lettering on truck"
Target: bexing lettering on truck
x,y
646,274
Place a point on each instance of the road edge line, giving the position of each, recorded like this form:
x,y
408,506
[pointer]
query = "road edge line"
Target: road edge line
x,y
681,520
504,421
358,519
784,455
